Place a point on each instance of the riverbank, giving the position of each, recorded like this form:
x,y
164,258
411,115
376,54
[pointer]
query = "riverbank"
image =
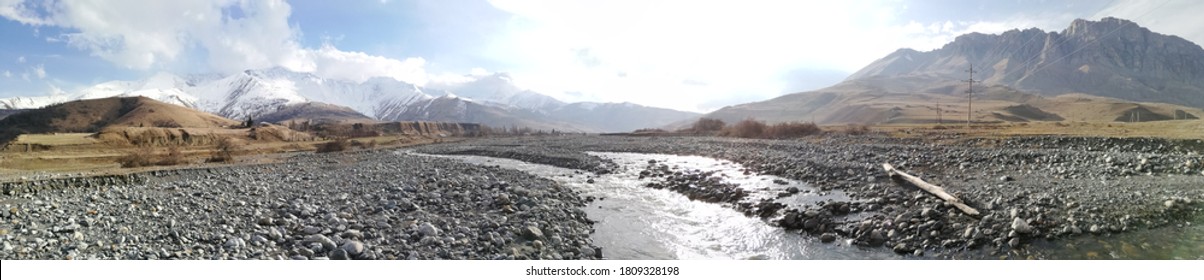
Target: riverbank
x,y
1028,188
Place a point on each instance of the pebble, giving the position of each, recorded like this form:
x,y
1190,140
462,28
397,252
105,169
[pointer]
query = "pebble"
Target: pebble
x,y
324,243
1021,226
532,233
428,229
235,243
354,248
339,254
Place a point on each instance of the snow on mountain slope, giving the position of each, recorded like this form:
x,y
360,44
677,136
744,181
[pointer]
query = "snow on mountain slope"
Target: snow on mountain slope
x,y
492,100
250,93
32,102
499,89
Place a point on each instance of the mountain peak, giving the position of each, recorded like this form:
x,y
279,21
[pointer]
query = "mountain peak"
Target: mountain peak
x,y
1110,57
1105,26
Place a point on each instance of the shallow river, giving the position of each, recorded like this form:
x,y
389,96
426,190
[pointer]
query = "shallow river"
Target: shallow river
x,y
637,222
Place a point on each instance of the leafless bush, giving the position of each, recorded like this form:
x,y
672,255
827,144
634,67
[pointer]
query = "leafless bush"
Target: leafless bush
x,y
139,157
748,128
225,150
708,125
790,130
858,129
371,144
174,156
338,145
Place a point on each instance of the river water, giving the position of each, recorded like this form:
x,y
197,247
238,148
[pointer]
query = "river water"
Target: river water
x,y
637,222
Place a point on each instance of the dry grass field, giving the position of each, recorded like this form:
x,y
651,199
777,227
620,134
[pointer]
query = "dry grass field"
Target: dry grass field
x,y
78,153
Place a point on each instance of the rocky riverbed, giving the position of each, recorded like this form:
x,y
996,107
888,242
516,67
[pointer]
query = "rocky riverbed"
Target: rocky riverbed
x,y
364,205
1028,189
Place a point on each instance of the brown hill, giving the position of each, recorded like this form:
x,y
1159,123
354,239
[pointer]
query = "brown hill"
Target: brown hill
x,y
94,115
315,112
920,100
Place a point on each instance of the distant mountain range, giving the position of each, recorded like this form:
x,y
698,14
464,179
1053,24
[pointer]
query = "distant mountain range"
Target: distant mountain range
x,y
1107,70
1111,58
280,95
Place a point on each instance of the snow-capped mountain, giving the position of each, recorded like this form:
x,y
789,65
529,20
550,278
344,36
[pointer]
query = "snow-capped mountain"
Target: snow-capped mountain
x,y
491,100
499,89
164,87
257,92
32,102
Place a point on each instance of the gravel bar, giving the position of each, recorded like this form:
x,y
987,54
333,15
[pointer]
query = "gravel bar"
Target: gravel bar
x,y
1027,188
362,205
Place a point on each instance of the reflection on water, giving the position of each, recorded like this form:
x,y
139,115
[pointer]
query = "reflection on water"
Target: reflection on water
x,y
636,222
757,186
1180,242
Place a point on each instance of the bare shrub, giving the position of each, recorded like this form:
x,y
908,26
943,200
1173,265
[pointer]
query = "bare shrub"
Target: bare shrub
x,y
858,129
748,128
708,125
139,157
174,156
225,150
649,131
790,130
371,144
337,145
166,123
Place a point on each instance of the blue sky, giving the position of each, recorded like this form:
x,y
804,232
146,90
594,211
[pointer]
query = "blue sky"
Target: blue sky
x,y
689,55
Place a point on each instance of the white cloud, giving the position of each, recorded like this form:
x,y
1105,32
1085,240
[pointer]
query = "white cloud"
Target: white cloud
x,y
40,71
235,35
21,59
8,74
330,62
16,10
25,76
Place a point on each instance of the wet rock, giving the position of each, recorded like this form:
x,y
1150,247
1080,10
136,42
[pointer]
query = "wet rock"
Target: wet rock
x,y
876,238
827,237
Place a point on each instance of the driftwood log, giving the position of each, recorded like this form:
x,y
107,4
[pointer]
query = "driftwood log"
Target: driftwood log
x,y
930,188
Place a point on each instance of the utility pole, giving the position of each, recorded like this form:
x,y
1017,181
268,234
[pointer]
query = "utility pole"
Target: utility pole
x,y
970,96
938,114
